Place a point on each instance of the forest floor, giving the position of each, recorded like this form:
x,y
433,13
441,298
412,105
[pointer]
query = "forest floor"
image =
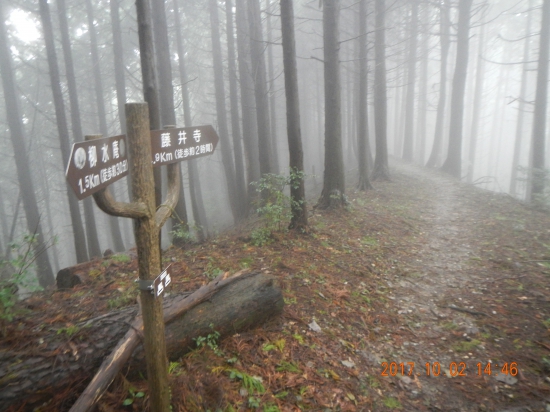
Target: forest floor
x,y
424,295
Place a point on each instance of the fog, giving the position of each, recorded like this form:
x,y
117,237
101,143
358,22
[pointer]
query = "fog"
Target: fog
x,y
496,116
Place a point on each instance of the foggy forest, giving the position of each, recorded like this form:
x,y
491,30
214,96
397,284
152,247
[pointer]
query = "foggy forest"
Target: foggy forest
x,y
323,107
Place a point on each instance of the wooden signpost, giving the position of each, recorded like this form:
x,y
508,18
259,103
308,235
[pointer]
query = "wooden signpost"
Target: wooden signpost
x,y
148,219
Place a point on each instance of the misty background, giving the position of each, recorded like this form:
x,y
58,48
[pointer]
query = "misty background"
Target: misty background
x,y
500,92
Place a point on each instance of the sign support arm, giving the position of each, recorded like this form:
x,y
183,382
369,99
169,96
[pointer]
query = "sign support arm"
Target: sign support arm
x,y
167,207
106,202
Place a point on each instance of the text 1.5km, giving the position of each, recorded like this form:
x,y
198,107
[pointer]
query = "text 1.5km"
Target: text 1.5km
x,y
90,182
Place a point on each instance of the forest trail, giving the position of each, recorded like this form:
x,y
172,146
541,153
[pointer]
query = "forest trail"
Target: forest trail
x,y
470,296
421,270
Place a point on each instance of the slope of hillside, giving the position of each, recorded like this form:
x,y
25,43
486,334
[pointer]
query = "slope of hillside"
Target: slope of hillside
x,y
424,295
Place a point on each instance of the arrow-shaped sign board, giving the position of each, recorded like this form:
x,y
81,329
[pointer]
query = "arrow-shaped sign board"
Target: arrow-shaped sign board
x,y
95,164
174,145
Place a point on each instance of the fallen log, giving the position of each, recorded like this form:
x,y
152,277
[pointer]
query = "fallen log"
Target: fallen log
x,y
228,305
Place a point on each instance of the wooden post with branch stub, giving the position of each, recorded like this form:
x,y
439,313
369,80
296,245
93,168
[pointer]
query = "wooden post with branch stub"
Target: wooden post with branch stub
x,y
147,224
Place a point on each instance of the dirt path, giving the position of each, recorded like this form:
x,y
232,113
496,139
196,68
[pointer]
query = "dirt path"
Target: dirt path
x,y
455,315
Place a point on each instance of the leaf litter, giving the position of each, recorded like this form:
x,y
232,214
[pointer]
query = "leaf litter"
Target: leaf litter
x,y
425,280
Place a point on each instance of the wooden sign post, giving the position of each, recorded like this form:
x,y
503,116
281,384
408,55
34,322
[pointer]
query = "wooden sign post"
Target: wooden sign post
x,y
147,223
89,173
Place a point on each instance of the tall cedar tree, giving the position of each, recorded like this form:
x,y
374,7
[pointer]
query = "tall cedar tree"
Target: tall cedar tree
x,y
408,141
521,101
101,112
22,161
197,204
76,126
445,28
260,87
476,109
297,187
381,168
221,111
541,97
149,78
61,119
234,104
453,164
166,90
334,182
363,145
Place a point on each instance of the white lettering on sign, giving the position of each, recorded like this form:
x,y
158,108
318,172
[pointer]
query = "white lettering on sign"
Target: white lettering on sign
x,y
105,153
165,140
92,155
182,137
197,135
163,157
115,150
113,171
160,289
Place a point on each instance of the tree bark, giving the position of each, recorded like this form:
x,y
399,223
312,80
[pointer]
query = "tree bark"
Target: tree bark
x,y
381,168
408,142
334,186
248,105
453,164
541,102
297,187
260,87
221,112
271,92
166,89
64,141
100,101
521,105
445,26
363,146
197,203
230,305
235,121
17,137
478,93
91,229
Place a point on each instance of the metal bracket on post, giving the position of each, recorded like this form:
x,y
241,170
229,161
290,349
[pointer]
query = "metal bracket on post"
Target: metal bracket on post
x,y
146,285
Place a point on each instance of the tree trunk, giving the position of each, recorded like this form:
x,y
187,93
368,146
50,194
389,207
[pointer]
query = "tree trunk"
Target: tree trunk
x,y
248,106
423,91
541,97
197,204
166,89
221,112
100,101
478,93
17,136
297,187
149,78
272,89
227,306
64,141
445,26
91,228
235,121
453,164
363,146
260,87
521,102
333,177
381,168
408,142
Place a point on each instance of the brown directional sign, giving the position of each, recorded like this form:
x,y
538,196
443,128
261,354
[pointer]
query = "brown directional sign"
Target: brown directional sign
x,y
95,164
174,145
